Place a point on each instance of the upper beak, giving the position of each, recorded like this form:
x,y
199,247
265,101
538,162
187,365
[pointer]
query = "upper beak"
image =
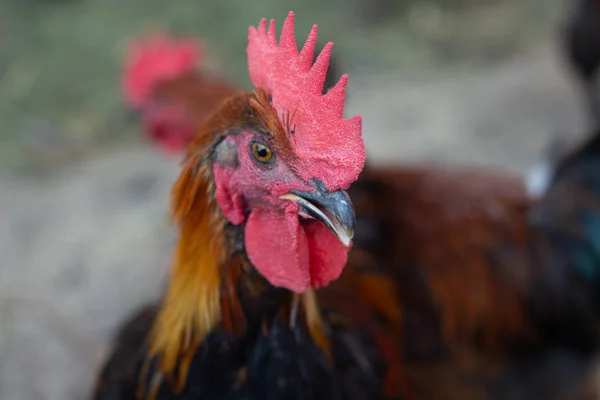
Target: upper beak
x,y
333,209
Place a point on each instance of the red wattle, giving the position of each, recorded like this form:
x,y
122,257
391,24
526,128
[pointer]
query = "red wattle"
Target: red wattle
x,y
277,246
290,254
328,255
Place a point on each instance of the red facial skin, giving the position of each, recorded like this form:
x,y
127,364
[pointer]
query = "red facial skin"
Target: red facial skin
x,y
288,250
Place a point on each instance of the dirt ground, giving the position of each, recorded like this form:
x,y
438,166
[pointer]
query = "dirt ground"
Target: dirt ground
x,y
82,248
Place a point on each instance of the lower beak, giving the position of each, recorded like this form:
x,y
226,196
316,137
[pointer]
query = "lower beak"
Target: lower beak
x,y
332,209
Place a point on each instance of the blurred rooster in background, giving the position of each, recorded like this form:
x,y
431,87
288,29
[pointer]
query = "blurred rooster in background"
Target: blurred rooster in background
x,y
580,45
458,286
162,79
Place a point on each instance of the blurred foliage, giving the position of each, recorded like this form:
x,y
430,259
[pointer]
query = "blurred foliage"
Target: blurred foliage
x,y
60,59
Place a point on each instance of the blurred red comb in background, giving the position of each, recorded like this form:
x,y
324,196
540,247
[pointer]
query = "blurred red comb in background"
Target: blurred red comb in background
x,y
157,58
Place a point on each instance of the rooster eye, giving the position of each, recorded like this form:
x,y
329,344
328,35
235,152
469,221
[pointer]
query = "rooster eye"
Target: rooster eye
x,y
261,152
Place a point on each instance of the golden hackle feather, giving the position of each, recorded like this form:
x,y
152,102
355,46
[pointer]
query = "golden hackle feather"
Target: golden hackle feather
x,y
191,307
315,323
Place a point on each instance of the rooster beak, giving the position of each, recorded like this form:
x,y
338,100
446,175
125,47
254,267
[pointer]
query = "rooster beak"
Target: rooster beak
x,y
333,209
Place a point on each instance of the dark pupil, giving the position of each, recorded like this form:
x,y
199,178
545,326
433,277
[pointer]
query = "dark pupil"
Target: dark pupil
x,y
262,151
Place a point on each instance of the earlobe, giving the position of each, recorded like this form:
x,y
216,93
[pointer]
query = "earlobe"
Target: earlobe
x,y
231,204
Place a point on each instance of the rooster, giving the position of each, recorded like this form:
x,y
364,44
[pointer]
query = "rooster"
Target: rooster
x,y
163,81
580,45
466,287
264,220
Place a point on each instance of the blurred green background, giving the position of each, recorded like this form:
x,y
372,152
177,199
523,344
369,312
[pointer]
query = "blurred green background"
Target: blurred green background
x,y
60,59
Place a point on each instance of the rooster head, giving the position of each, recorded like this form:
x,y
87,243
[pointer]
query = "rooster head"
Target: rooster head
x,y
151,62
282,170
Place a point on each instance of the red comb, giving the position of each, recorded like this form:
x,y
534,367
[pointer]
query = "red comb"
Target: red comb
x,y
156,59
331,145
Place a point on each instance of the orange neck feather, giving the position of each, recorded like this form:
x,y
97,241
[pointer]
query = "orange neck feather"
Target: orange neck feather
x,y
191,307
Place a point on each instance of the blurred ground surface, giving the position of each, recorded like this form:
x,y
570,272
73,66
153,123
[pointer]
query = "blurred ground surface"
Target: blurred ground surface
x,y
85,236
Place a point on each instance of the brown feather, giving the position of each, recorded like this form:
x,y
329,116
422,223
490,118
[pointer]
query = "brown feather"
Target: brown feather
x,y
450,224
456,248
196,94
